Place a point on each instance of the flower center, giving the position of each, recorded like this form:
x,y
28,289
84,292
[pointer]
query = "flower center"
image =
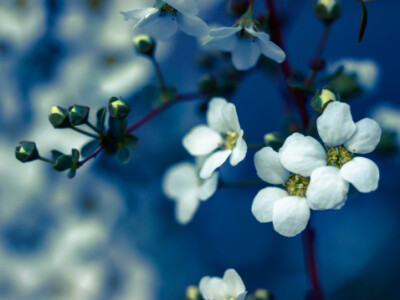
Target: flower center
x,y
338,156
297,185
231,138
245,35
167,9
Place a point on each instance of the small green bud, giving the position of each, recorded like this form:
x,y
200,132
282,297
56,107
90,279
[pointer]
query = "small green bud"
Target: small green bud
x,y
144,44
192,293
26,152
274,140
63,162
321,99
207,85
327,10
118,108
78,114
261,294
59,117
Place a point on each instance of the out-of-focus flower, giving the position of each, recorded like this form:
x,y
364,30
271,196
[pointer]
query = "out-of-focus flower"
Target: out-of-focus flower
x,y
344,138
365,71
230,286
246,44
288,209
183,184
163,20
388,117
221,138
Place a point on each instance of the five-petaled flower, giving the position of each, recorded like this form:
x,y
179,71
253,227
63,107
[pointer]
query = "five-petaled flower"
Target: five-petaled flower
x,y
229,287
183,184
222,138
245,43
343,139
163,20
288,207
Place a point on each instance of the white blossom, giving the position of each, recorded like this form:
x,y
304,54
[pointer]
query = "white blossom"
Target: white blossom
x,y
183,184
366,71
163,20
287,208
388,117
229,287
220,139
246,45
344,138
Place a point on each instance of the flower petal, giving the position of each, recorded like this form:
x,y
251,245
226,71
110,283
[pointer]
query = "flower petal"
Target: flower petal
x,y
335,125
185,208
213,162
231,117
208,187
184,6
327,189
263,203
302,154
224,32
290,215
192,25
269,167
245,54
366,138
212,288
138,13
363,173
268,48
180,179
234,284
161,28
239,152
202,140
215,117
225,44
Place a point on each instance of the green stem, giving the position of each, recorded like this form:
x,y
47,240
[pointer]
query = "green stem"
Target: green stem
x,y
159,74
47,160
255,146
84,132
94,128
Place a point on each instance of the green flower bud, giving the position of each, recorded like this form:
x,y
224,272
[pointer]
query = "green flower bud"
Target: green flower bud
x,y
63,162
321,99
274,140
192,293
327,10
59,117
118,108
144,44
26,152
207,85
261,294
78,114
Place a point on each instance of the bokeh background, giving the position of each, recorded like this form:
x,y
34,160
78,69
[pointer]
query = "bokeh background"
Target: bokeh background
x,y
110,233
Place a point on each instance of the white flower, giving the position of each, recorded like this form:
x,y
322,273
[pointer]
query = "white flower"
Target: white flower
x,y
246,45
182,184
163,20
366,71
229,287
388,117
222,138
287,207
343,138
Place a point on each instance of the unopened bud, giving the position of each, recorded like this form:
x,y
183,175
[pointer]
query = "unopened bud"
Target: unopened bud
x,y
144,44
321,99
118,108
78,114
26,152
327,10
59,117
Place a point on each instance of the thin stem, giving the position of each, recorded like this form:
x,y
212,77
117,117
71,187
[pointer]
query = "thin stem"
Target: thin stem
x,y
318,55
94,128
50,161
160,76
311,264
93,155
84,132
285,65
242,183
255,146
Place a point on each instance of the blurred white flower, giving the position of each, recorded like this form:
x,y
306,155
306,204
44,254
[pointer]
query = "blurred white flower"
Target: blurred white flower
x,y
343,138
367,71
229,287
288,209
221,138
163,20
246,45
183,184
388,117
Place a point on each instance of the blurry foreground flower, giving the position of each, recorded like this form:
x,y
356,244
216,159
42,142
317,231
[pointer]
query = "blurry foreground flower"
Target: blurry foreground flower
x,y
222,138
344,138
183,184
388,117
163,20
288,209
246,44
229,287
